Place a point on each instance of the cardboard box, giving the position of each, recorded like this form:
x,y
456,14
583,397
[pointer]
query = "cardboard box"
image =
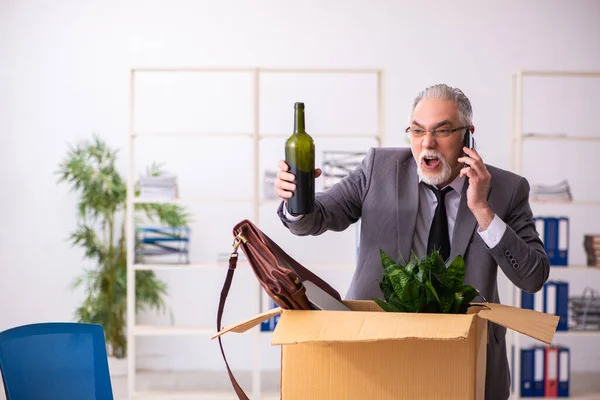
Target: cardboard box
x,y
371,354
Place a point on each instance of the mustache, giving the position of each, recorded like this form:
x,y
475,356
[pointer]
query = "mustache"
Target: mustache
x,y
431,153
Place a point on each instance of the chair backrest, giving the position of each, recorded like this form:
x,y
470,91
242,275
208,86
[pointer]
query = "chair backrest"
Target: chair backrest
x,y
58,360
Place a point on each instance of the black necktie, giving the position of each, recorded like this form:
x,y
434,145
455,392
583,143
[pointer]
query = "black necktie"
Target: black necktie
x,y
439,239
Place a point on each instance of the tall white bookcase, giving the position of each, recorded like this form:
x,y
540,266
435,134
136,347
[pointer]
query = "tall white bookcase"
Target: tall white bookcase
x,y
580,274
255,198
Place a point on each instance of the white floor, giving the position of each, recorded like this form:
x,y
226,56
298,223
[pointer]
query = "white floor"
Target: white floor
x,y
196,385
216,386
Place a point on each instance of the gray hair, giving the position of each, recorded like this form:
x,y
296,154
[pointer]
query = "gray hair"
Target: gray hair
x,y
444,92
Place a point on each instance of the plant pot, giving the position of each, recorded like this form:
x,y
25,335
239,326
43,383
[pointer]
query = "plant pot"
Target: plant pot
x,y
117,366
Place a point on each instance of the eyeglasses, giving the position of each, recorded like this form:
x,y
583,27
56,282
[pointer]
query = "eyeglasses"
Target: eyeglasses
x,y
441,133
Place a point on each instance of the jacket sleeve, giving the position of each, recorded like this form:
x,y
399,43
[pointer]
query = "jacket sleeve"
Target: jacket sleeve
x,y
520,252
339,206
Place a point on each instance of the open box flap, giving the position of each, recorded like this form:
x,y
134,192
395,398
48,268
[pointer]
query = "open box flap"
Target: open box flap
x,y
250,323
364,326
535,324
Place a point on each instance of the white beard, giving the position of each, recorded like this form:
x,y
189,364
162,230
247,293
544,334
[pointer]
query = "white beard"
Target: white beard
x,y
433,179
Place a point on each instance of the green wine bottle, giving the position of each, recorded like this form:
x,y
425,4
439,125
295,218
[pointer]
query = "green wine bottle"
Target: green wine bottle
x,y
300,157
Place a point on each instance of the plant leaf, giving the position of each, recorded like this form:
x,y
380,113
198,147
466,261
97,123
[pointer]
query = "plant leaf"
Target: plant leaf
x,y
456,273
411,267
431,292
395,301
399,278
385,306
386,287
438,268
446,301
457,304
387,263
468,293
411,296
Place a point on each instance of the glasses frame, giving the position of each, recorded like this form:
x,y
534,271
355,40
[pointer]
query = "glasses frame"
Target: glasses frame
x,y
434,132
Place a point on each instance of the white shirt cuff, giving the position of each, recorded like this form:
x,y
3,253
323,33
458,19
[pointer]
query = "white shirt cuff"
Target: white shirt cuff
x,y
288,216
492,235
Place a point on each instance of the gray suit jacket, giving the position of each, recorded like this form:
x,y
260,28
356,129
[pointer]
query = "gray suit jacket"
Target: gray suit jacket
x,y
383,193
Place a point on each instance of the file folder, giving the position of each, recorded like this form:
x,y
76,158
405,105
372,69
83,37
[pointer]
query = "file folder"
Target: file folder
x,y
556,302
564,371
527,385
270,324
532,372
533,301
551,372
554,232
538,372
562,305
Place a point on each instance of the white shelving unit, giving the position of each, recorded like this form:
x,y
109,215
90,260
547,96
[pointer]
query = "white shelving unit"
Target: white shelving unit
x,y
134,330
517,140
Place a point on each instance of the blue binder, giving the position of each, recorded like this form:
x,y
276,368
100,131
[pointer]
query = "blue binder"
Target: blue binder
x,y
539,368
564,371
562,305
556,302
527,361
554,232
533,301
532,372
270,324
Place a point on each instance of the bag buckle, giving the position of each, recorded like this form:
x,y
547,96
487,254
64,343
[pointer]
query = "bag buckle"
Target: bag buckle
x,y
237,241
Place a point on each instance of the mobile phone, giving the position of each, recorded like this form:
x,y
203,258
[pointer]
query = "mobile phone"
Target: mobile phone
x,y
469,142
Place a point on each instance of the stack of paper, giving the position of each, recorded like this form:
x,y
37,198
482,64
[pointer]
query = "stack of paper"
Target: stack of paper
x,y
338,164
558,192
159,187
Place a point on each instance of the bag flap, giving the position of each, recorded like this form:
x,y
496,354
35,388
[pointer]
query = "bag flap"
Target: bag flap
x,y
535,324
298,326
250,323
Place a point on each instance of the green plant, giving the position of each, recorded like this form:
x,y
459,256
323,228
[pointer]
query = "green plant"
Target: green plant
x,y
90,170
425,286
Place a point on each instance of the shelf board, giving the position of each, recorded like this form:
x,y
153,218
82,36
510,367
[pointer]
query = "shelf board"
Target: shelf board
x,y
344,136
573,268
192,134
578,332
562,202
559,136
185,267
561,73
193,200
225,264
176,395
166,330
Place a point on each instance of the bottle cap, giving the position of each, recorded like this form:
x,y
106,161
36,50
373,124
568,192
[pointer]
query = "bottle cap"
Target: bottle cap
x,y
299,106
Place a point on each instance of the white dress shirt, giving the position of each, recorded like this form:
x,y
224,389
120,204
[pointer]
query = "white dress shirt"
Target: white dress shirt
x,y
427,204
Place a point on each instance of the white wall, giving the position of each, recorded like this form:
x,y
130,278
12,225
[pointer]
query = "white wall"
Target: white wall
x,y
64,74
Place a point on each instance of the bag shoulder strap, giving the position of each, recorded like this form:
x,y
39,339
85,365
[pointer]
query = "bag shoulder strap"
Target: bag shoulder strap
x,y
233,258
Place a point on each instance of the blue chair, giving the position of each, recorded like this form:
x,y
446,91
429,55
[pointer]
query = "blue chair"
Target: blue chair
x,y
51,361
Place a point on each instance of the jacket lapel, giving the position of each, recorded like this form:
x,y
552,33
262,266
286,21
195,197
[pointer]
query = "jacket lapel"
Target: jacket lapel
x,y
408,205
464,226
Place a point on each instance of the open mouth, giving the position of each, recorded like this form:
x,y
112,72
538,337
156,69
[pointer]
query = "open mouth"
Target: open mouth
x,y
431,162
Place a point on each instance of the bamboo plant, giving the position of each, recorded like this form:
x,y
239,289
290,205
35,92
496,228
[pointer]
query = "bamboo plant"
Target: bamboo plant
x,y
89,168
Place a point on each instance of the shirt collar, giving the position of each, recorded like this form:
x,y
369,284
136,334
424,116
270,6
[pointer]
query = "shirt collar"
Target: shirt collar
x,y
457,184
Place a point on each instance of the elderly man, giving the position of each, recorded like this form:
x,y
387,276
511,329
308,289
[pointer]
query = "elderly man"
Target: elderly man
x,y
439,194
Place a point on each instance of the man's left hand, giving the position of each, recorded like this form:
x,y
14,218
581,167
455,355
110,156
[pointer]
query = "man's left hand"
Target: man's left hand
x,y
479,183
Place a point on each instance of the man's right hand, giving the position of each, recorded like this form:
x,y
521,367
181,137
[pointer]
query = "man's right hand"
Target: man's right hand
x,y
284,184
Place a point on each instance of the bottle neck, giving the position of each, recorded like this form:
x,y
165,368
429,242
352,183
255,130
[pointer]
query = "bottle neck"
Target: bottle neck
x,y
299,121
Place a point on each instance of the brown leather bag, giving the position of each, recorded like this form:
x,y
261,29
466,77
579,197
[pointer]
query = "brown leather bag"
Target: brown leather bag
x,y
279,274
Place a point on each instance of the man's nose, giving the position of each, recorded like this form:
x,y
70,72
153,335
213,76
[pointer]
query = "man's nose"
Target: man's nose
x,y
429,141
